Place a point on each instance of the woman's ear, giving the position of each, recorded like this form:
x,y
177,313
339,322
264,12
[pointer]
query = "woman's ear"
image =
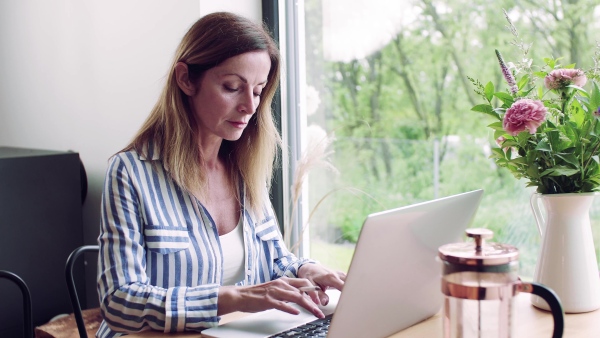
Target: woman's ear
x,y
182,76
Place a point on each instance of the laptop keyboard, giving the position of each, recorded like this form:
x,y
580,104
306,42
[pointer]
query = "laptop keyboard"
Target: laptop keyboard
x,y
316,328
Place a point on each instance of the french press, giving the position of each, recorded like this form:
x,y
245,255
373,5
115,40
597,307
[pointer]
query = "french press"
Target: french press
x,y
480,281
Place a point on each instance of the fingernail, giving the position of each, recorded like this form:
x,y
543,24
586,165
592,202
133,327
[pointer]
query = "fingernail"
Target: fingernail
x,y
324,300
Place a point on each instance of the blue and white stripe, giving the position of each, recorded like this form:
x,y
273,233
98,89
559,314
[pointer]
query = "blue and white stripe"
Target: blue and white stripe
x,y
160,264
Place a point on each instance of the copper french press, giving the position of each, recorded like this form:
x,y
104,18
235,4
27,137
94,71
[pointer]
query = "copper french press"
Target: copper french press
x,y
480,281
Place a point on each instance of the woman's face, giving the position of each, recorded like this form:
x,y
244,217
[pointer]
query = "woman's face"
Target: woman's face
x,y
227,95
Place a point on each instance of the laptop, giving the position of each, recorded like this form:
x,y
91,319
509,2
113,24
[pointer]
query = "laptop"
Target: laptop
x,y
394,277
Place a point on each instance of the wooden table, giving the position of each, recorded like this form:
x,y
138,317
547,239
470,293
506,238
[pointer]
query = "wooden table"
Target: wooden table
x,y
530,322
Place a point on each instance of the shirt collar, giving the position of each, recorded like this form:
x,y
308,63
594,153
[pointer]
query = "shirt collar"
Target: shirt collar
x,y
149,152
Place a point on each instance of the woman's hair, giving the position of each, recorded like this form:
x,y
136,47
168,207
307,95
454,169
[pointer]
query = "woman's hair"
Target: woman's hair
x,y
170,128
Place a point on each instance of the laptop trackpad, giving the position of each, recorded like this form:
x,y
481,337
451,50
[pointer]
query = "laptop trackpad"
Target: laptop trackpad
x,y
270,322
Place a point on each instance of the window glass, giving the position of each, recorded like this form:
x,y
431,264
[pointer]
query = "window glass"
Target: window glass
x,y
388,93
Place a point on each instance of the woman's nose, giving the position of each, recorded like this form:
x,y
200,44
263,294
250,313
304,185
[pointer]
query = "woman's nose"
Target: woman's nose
x,y
248,103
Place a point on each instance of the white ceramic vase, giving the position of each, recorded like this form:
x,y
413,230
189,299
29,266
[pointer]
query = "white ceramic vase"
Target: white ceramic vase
x,y
567,260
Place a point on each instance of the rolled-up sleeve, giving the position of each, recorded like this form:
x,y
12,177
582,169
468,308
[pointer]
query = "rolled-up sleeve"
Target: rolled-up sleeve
x,y
284,262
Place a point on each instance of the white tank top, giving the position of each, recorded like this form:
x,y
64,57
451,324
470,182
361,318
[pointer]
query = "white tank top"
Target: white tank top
x,y
232,244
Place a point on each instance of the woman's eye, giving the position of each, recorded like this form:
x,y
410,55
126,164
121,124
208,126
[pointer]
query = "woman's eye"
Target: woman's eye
x,y
257,94
230,89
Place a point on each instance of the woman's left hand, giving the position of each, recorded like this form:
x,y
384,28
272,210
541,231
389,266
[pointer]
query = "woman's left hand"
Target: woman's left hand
x,y
322,277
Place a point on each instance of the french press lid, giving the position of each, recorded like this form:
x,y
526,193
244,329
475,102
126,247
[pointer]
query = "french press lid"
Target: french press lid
x,y
478,253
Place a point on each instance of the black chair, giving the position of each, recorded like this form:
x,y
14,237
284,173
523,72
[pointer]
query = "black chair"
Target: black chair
x,y
77,312
27,313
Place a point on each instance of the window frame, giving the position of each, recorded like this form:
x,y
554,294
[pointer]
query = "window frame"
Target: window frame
x,y
285,20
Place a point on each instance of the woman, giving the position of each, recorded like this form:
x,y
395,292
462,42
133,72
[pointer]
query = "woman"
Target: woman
x,y
187,230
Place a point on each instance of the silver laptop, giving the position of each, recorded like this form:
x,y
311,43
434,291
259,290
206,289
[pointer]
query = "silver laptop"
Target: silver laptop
x,y
394,278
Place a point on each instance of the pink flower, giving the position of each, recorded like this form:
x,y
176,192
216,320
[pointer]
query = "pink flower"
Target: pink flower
x,y
500,140
560,78
525,114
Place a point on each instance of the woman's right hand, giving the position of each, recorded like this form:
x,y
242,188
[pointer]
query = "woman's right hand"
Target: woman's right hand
x,y
276,294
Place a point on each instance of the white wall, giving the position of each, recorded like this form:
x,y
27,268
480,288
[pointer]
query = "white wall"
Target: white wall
x,y
249,8
82,75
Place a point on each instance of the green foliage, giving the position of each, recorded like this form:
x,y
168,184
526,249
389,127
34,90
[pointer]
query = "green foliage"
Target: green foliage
x,y
561,156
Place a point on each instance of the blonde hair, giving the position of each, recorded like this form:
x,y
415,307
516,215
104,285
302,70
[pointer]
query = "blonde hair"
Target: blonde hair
x,y
169,129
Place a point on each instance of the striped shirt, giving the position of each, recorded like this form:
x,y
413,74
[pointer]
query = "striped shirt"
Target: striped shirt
x,y
160,264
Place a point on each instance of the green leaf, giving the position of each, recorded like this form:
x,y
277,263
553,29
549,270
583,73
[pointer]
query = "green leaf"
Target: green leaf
x,y
543,146
501,162
577,88
499,133
523,94
554,140
496,126
594,179
506,98
523,137
571,132
533,172
486,109
488,90
560,171
578,117
595,97
569,158
523,81
497,153
512,165
550,125
499,111
550,62
519,160
596,128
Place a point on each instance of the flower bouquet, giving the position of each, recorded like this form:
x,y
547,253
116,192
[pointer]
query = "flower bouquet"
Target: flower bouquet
x,y
547,131
546,127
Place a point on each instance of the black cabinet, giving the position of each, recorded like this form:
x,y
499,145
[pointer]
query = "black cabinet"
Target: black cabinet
x,y
40,224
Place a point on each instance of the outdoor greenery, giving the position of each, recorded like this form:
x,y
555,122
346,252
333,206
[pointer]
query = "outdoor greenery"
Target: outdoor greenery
x,y
390,111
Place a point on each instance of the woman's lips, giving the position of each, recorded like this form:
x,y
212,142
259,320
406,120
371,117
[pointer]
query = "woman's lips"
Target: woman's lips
x,y
238,124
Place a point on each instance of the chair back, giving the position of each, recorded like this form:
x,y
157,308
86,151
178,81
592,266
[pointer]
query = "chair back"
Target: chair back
x,y
72,288
27,312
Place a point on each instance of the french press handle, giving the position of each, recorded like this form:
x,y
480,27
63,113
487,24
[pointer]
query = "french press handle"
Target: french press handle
x,y
551,298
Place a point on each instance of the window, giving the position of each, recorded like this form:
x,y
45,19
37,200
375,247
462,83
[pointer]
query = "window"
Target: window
x,y
384,84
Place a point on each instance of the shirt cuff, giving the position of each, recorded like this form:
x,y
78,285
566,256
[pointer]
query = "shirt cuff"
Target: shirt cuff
x,y
191,308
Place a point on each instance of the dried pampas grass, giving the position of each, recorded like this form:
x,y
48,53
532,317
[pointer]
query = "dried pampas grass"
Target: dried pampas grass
x,y
316,154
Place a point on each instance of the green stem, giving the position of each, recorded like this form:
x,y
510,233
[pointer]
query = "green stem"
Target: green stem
x,y
589,159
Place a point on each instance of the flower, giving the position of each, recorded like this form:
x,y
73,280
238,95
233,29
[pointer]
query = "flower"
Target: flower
x,y
500,140
547,134
508,76
561,78
525,114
